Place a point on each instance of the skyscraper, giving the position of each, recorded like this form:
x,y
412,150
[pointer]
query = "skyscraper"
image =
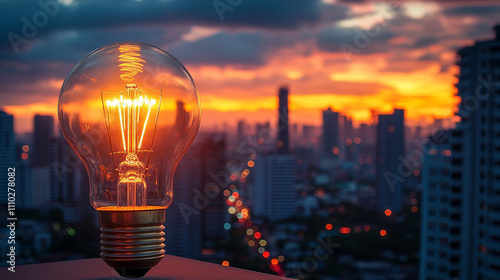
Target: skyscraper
x,y
274,192
470,223
330,133
390,149
7,150
43,133
436,207
348,139
195,220
241,131
283,135
263,130
183,231
213,162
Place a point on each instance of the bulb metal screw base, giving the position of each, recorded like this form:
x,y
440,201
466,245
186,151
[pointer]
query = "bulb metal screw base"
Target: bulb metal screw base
x,y
132,241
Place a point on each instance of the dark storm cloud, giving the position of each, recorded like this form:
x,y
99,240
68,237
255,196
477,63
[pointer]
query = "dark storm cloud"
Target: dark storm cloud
x,y
355,40
472,10
73,45
424,42
221,49
428,57
100,14
241,49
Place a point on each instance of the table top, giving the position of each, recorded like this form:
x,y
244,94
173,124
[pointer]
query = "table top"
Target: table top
x,y
171,268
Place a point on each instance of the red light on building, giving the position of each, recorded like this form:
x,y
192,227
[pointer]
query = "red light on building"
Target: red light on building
x,y
345,230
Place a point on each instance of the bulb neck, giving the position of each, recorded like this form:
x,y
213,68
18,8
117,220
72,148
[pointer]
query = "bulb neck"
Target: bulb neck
x,y
132,241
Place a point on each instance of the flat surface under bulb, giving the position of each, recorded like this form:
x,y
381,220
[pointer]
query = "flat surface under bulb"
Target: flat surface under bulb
x,y
171,267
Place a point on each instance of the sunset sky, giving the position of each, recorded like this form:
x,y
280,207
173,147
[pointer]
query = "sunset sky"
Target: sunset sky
x,y
240,51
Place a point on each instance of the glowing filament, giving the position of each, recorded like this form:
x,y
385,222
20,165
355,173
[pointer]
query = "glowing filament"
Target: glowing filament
x,y
131,62
129,111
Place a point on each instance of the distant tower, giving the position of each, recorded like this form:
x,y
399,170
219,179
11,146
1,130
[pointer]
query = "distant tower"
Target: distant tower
x,y
348,139
44,131
241,130
283,135
390,147
330,133
7,150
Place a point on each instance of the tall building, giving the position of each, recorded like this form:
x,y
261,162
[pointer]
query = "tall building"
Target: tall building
x,y
182,230
471,222
241,131
274,192
349,148
436,207
390,149
283,142
7,150
33,186
43,133
263,130
189,233
330,133
213,161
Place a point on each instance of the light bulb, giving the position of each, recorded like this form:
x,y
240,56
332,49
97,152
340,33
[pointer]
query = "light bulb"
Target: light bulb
x,y
130,111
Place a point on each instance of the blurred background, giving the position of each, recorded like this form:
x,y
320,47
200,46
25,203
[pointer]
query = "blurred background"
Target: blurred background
x,y
340,139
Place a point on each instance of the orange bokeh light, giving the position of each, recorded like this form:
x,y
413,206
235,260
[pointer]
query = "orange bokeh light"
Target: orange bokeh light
x,y
274,261
383,232
329,226
388,212
225,263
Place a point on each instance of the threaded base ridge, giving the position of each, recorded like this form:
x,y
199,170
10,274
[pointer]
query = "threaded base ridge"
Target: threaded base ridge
x,y
132,241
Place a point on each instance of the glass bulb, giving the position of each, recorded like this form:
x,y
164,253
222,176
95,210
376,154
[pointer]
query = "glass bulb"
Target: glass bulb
x,y
130,111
